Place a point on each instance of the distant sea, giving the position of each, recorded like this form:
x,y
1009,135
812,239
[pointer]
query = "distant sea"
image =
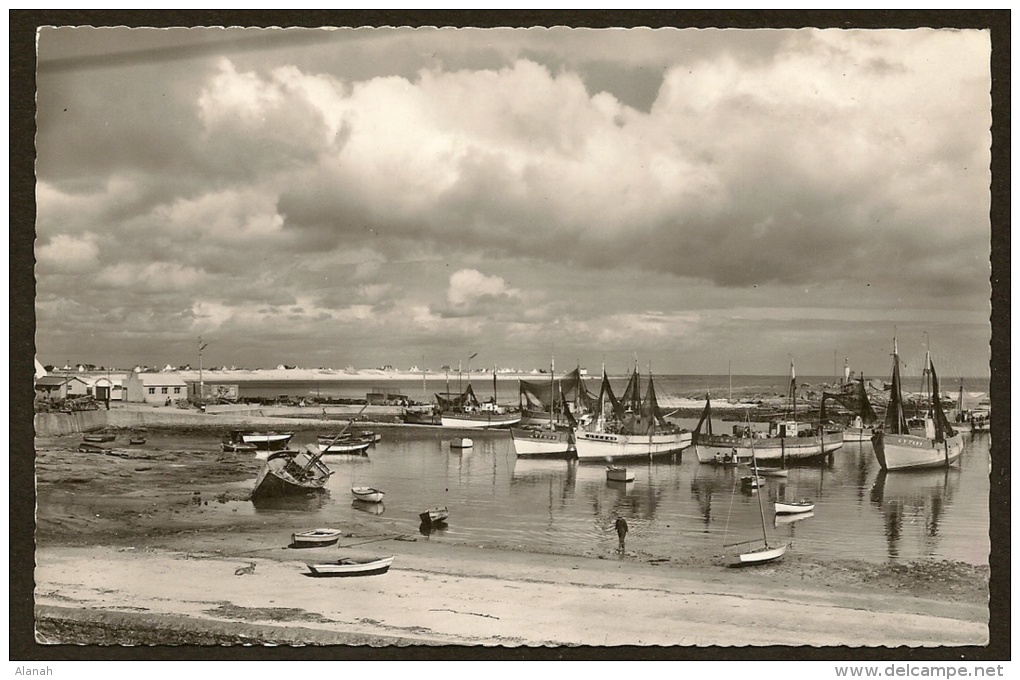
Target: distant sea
x,y
693,387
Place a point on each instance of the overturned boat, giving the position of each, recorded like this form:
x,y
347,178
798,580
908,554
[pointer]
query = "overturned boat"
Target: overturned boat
x,y
291,473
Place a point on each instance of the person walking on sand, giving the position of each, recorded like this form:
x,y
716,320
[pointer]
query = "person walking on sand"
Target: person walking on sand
x,y
621,531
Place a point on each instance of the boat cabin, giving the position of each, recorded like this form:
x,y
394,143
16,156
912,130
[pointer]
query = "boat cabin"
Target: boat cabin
x,y
783,428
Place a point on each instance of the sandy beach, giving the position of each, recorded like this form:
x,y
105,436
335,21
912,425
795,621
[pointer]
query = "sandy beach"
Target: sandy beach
x,y
139,548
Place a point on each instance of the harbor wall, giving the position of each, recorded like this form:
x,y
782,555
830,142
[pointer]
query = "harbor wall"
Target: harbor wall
x,y
140,416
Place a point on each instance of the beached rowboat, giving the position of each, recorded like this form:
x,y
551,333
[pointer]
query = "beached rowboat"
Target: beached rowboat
x,y
315,538
98,438
436,515
352,566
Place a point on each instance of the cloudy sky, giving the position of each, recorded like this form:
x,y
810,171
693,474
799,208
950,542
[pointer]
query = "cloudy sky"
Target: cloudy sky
x,y
399,196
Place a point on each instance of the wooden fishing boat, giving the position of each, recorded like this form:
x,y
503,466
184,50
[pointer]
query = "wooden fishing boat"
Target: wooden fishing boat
x,y
549,412
465,411
793,508
237,447
98,438
367,494
352,566
435,515
291,473
615,473
315,538
461,443
630,427
900,447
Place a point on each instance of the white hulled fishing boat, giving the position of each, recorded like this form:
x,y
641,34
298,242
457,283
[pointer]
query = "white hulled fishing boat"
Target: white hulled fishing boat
x,y
630,427
934,444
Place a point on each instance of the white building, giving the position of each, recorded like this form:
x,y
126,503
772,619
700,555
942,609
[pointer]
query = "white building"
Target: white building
x,y
155,388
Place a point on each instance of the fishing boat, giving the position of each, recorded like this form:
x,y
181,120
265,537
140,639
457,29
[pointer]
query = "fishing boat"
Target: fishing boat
x,y
237,447
786,442
549,413
630,427
755,552
465,411
315,538
330,444
367,494
853,395
291,473
98,438
934,444
793,508
461,443
352,566
263,441
615,473
436,515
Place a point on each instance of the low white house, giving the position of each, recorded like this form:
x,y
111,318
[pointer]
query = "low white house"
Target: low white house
x,y
62,386
155,388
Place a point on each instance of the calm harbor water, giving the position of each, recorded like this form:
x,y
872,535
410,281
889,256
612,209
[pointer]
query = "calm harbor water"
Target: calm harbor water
x,y
506,389
675,507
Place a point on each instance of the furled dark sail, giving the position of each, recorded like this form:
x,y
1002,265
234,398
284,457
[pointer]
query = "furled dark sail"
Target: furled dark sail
x,y
895,418
706,417
615,408
650,411
538,395
451,401
632,395
855,399
943,428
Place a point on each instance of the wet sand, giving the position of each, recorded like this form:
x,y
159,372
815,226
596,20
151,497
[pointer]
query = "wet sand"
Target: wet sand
x,y
140,547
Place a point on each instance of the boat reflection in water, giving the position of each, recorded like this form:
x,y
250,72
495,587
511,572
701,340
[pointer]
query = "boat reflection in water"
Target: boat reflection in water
x,y
305,503
625,487
369,507
790,519
709,481
917,497
533,470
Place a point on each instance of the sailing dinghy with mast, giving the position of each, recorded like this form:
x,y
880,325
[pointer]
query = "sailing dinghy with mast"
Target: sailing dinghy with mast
x,y
749,552
936,444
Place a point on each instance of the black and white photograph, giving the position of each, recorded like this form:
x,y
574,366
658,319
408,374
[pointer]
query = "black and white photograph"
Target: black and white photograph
x,y
647,341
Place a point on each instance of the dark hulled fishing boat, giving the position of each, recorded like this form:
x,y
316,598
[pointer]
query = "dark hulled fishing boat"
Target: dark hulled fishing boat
x,y
291,473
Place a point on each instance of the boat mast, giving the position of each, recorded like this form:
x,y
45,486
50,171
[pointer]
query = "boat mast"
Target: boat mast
x,y
754,468
729,372
552,392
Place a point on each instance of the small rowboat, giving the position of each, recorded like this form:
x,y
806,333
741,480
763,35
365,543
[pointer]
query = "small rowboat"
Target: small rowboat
x,y
373,437
793,508
85,447
343,444
773,472
436,515
752,482
98,438
352,566
461,443
367,494
315,538
136,441
615,473
238,447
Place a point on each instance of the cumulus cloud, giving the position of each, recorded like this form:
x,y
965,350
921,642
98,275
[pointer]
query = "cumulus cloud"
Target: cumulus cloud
x,y
69,254
624,176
